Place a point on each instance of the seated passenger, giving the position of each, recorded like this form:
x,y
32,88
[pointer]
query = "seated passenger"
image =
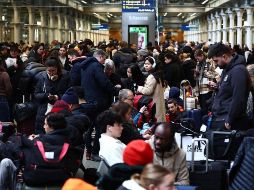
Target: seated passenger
x,y
111,149
136,155
168,154
130,132
152,177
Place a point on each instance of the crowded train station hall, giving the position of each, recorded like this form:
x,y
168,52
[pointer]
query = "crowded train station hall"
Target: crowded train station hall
x,y
126,95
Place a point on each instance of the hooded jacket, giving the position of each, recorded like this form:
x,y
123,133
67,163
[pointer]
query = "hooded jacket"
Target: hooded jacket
x,y
95,83
231,99
174,160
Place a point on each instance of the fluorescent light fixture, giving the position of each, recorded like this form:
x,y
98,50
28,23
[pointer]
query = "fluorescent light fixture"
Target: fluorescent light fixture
x,y
84,2
179,14
205,1
96,14
165,14
193,14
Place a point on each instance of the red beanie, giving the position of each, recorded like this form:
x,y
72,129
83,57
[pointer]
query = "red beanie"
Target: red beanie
x,y
138,152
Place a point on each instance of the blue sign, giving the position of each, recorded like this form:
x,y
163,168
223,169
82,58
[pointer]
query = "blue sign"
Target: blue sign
x,y
139,6
185,27
99,27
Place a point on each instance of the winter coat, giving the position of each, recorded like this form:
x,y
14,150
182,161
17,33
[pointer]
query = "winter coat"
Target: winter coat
x,y
117,174
129,133
174,160
122,59
5,84
241,174
230,102
75,73
44,87
96,85
156,91
29,77
173,74
188,71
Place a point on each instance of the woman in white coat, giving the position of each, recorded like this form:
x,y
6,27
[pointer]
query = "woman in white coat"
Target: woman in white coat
x,y
154,87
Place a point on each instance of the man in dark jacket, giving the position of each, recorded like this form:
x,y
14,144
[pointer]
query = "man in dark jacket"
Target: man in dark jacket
x,y
97,87
230,102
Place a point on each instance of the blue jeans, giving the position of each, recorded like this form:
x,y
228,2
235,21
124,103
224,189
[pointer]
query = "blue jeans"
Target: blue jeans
x,y
7,174
4,109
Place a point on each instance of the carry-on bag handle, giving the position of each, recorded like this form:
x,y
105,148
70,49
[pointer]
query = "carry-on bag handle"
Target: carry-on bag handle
x,y
193,151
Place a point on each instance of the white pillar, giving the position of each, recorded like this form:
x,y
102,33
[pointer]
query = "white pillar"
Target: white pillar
x,y
218,18
225,23
66,33
213,28
239,13
51,33
231,27
43,27
248,38
31,25
59,28
16,24
209,29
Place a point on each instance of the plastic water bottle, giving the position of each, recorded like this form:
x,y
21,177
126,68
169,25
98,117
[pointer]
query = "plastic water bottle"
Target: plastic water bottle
x,y
209,121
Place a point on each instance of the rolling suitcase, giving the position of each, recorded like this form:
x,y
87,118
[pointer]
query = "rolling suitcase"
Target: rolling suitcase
x,y
195,114
205,175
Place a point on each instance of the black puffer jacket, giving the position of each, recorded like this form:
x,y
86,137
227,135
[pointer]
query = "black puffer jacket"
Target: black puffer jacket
x,y
29,77
44,87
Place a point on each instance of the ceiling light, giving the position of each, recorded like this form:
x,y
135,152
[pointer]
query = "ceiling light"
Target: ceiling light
x,y
193,14
165,14
179,14
205,1
84,2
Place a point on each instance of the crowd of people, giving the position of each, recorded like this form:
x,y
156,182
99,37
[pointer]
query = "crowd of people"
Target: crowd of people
x,y
125,95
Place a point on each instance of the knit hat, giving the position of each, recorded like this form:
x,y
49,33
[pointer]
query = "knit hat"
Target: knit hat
x,y
77,184
70,96
142,52
138,153
174,92
60,105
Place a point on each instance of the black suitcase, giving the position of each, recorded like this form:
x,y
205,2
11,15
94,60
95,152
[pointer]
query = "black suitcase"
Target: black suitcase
x,y
207,175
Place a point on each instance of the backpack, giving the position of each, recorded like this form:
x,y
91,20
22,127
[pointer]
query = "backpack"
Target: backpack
x,y
47,164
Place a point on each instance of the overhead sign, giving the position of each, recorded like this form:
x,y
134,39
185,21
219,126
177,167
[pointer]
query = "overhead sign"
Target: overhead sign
x,y
138,6
186,27
99,27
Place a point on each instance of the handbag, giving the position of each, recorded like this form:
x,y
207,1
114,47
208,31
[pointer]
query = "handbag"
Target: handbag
x,y
24,111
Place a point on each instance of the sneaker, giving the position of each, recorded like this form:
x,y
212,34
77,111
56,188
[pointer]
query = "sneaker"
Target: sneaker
x,y
88,156
96,158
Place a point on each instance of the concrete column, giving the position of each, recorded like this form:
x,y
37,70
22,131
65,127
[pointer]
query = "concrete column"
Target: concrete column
x,y
209,28
225,32
248,27
31,25
239,13
82,36
213,28
77,27
59,28
218,18
66,30
43,26
1,25
231,27
16,24
51,31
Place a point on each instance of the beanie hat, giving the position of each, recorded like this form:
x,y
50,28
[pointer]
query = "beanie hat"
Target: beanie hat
x,y
142,52
138,153
174,92
70,96
77,184
60,105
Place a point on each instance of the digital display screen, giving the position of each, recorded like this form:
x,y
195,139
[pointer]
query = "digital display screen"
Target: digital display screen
x,y
141,35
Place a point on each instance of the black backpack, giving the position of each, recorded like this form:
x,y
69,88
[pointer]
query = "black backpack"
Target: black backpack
x,y
47,164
